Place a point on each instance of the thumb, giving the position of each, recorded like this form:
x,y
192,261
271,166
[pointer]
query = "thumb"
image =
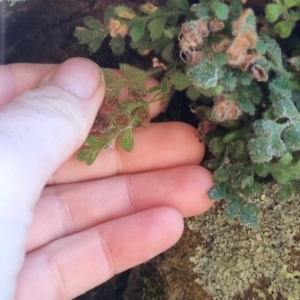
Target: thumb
x,y
39,130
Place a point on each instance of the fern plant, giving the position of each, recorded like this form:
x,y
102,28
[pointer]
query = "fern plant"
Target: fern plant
x,y
244,90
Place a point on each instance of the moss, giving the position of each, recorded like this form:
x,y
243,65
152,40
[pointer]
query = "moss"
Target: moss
x,y
234,259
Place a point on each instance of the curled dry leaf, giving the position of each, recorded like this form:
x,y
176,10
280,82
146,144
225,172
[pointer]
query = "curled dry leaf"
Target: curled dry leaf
x,y
259,73
224,109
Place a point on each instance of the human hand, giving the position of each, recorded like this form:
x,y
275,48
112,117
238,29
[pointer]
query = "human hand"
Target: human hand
x,y
89,223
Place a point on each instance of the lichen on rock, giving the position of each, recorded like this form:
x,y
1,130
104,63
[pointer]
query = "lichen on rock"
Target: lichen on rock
x,y
233,258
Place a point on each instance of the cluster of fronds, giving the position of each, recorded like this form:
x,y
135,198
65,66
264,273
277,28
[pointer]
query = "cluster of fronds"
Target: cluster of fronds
x,y
244,89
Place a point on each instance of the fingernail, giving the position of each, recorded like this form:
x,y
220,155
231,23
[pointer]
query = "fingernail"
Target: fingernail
x,y
78,76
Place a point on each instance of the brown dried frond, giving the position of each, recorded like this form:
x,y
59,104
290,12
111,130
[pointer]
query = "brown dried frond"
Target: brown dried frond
x,y
251,37
191,40
112,102
122,120
237,52
101,123
249,59
224,109
149,6
259,73
216,25
116,28
204,127
144,113
222,46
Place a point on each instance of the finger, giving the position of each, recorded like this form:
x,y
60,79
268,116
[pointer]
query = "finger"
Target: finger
x,y
158,146
18,78
65,210
39,130
70,266
15,79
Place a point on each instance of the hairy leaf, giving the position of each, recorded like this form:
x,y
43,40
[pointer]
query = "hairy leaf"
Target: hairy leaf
x,y
93,35
268,142
180,81
117,45
216,146
138,30
291,136
205,74
217,193
284,193
273,11
200,10
284,28
221,10
156,27
221,175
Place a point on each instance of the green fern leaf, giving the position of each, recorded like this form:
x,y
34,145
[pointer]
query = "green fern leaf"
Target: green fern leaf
x,y
93,35
126,140
221,10
156,28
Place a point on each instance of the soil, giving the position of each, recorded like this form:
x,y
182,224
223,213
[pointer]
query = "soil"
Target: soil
x,y
42,31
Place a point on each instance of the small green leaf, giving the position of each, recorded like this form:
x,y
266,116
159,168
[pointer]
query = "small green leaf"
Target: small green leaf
x,y
232,209
138,30
295,184
117,45
285,193
156,28
245,104
180,81
93,35
126,140
200,10
280,174
253,190
217,193
249,214
221,10
273,11
260,46
286,159
291,136
238,150
262,169
290,3
284,28
221,175
193,93
181,4
216,146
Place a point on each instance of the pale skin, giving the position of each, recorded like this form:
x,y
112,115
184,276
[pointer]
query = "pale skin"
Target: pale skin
x,y
86,224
